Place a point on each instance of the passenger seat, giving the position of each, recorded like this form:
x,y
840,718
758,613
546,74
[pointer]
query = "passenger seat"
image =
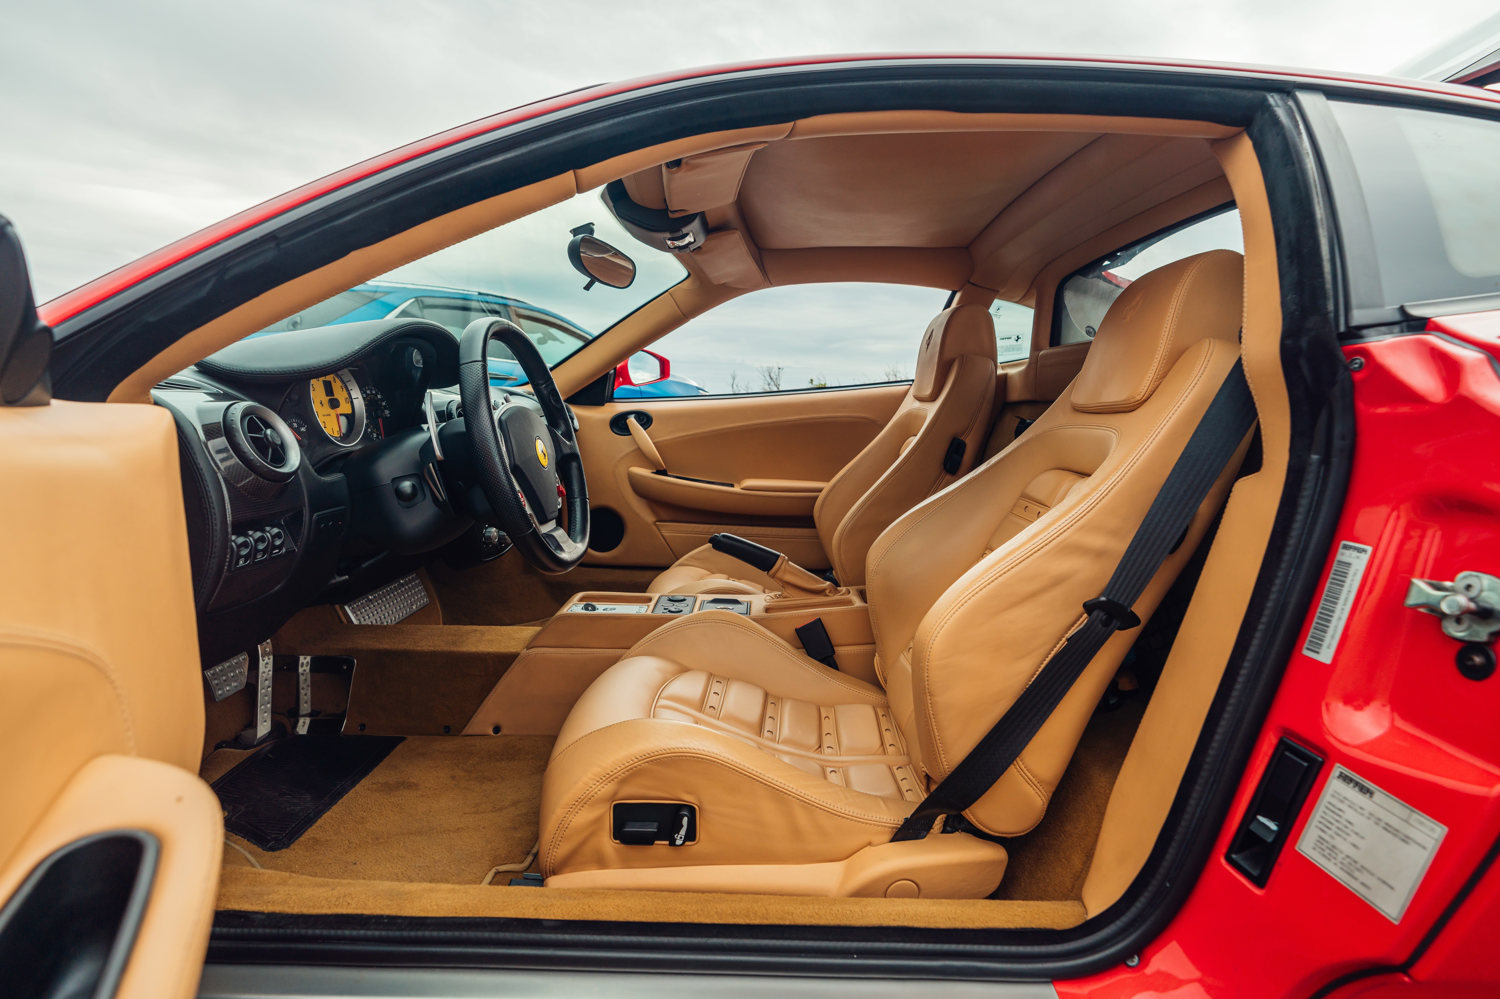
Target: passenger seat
x,y
933,439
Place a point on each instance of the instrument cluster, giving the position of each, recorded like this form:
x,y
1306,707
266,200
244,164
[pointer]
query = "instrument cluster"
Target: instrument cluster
x,y
337,411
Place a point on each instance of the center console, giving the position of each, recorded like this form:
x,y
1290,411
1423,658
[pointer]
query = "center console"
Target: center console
x,y
671,604
594,630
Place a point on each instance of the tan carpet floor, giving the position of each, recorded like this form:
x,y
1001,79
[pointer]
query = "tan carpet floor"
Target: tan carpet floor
x,y
437,810
418,835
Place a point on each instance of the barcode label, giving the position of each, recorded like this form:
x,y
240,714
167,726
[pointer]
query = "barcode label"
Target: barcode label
x,y
1338,597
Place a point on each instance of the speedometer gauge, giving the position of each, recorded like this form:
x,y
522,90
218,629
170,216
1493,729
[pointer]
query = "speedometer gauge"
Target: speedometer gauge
x,y
338,406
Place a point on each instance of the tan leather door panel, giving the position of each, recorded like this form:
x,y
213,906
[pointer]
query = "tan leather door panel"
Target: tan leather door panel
x,y
101,703
759,462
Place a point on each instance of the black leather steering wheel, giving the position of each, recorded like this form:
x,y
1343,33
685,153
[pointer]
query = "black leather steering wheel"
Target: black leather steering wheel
x,y
527,466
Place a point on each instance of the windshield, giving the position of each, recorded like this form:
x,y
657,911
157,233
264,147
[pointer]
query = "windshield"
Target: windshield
x,y
519,272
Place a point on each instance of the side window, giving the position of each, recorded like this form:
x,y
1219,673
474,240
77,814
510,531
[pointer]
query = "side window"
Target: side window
x,y
1086,295
1433,208
801,337
1012,330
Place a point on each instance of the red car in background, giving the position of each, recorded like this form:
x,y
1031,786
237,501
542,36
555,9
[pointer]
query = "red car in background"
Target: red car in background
x,y
1333,824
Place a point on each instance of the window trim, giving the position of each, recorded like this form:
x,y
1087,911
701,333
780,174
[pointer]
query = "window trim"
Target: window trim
x,y
1054,335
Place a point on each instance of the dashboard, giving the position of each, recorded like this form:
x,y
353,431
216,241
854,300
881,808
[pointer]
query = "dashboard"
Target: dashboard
x,y
310,468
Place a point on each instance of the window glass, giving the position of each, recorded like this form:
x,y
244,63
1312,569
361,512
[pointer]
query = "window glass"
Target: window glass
x,y
326,312
453,313
1085,296
803,337
1012,330
519,271
1428,180
555,339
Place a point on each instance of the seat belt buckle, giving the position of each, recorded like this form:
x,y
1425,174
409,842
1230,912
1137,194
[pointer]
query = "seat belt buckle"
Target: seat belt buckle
x,y
1123,617
816,642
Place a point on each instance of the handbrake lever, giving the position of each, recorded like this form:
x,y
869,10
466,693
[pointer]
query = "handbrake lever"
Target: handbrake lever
x,y
795,580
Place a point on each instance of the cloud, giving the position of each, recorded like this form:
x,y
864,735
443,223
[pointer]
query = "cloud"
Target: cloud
x,y
129,125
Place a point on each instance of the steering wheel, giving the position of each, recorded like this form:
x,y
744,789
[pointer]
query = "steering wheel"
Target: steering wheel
x,y
527,467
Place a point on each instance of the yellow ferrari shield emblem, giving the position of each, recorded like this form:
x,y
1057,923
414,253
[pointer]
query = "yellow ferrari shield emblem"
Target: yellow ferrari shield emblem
x,y
541,452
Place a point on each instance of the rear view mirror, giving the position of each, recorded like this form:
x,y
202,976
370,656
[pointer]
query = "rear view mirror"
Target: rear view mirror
x,y
599,261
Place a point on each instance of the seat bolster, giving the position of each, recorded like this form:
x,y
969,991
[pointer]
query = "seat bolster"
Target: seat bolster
x,y
752,808
624,692
718,642
729,645
704,570
962,411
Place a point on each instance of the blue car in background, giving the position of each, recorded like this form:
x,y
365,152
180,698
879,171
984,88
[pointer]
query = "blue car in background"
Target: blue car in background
x,y
644,375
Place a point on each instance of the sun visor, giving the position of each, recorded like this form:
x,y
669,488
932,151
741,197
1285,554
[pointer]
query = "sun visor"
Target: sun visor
x,y
708,180
655,227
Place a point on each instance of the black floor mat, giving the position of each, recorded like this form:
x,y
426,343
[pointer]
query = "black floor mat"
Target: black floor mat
x,y
276,795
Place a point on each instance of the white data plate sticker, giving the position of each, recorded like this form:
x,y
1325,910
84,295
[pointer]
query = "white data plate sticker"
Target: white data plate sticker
x,y
1374,844
1338,597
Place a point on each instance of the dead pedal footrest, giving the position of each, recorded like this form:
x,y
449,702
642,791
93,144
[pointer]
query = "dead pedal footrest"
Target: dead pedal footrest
x,y
391,604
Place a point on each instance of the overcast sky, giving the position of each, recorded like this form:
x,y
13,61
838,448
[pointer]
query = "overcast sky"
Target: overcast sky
x,y
130,124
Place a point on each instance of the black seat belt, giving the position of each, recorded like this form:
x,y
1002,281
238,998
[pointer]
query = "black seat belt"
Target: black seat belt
x,y
1208,451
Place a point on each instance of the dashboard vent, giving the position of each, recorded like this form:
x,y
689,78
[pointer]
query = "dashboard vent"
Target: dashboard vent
x,y
262,441
267,442
177,382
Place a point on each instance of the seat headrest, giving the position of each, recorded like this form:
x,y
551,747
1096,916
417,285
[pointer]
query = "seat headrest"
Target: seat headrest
x,y
1158,317
963,329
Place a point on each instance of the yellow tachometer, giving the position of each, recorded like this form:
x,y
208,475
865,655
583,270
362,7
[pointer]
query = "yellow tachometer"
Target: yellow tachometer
x,y
337,406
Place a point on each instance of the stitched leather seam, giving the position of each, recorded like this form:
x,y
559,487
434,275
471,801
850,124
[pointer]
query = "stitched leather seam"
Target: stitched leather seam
x,y
836,485
1031,781
936,504
734,620
893,472
622,770
883,484
718,725
549,650
1047,539
1052,536
1163,345
28,639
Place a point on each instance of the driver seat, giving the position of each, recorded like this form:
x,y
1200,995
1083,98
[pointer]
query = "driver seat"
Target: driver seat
x,y
794,776
931,440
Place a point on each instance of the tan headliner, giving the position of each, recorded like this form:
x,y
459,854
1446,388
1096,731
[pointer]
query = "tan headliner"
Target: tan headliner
x,y
983,202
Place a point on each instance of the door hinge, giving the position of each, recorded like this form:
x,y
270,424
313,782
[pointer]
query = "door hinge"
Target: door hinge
x,y
1469,606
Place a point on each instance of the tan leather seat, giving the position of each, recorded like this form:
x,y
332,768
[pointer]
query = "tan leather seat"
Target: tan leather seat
x,y
952,395
799,774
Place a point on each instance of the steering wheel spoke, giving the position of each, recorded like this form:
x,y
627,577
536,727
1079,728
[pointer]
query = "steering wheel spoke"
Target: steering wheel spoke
x,y
566,446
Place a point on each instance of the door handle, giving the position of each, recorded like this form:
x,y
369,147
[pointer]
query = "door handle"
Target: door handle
x,y
643,441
